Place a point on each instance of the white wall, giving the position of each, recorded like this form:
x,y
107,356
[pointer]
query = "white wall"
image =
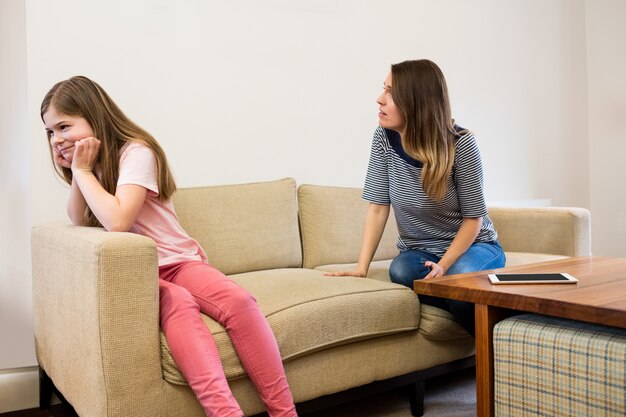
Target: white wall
x,y
246,91
16,346
606,60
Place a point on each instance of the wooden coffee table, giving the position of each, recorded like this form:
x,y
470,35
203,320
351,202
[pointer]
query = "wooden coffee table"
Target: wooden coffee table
x,y
599,297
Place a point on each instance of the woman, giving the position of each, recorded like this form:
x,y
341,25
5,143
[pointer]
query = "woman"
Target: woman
x,y
429,170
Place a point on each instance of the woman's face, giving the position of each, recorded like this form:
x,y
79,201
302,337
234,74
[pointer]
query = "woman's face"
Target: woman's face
x,y
389,116
64,131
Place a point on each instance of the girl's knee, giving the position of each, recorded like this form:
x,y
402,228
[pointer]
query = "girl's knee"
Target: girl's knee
x,y
169,292
239,298
175,301
244,297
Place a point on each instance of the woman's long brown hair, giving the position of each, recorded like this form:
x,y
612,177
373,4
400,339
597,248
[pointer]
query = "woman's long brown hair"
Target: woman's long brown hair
x,y
419,90
79,96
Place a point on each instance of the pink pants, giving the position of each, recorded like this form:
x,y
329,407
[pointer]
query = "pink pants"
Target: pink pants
x,y
188,288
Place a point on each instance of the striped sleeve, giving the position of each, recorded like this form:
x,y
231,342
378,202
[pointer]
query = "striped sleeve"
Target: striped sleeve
x,y
376,188
468,177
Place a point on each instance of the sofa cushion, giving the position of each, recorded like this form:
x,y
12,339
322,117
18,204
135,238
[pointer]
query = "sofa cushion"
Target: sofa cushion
x,y
331,220
310,312
522,258
435,323
244,227
440,325
379,270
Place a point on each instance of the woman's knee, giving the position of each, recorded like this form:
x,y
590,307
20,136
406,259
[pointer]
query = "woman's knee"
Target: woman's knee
x,y
406,268
461,266
479,256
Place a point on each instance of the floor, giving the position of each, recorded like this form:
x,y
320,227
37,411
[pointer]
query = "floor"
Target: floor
x,y
451,395
59,410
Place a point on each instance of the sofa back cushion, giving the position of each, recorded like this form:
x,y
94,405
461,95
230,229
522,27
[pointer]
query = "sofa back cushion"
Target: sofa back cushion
x,y
243,227
331,222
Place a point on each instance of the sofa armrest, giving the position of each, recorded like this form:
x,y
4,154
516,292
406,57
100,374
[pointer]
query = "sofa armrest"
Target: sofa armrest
x,y
550,230
96,316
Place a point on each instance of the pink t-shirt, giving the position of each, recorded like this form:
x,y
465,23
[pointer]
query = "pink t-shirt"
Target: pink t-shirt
x,y
157,219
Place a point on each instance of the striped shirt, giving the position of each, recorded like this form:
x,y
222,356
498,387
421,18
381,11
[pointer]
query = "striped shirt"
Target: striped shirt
x,y
393,178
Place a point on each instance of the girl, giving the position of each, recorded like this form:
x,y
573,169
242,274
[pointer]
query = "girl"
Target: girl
x,y
119,179
429,170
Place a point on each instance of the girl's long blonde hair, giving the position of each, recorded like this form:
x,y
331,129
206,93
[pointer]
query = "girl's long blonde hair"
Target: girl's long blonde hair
x,y
419,90
79,96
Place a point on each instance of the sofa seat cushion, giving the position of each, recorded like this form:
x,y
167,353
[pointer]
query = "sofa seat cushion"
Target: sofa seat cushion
x,y
440,325
379,270
310,312
435,324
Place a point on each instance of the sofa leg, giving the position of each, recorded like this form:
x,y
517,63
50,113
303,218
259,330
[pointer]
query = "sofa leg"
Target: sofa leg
x,y
416,398
45,389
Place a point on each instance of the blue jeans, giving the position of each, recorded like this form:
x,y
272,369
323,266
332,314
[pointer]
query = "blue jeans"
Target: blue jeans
x,y
409,266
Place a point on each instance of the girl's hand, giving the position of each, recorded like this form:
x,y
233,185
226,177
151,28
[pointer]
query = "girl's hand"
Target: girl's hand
x,y
85,154
59,159
436,270
346,274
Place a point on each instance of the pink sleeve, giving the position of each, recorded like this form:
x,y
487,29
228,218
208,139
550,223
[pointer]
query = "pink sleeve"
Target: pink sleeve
x,y
138,167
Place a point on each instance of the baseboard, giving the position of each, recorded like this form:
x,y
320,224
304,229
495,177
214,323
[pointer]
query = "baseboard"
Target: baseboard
x,y
19,389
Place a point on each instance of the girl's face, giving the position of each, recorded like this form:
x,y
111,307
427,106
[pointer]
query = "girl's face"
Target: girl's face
x,y
389,116
63,131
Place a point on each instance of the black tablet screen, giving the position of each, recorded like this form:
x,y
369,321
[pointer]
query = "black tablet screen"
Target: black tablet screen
x,y
531,277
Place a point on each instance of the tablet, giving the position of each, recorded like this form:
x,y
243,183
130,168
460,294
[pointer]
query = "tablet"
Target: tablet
x,y
540,278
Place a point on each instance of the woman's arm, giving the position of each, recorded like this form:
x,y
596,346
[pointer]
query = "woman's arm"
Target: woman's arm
x,y
468,178
116,213
470,227
375,221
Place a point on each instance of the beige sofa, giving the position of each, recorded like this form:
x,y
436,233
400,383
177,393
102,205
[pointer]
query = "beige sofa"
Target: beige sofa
x,y
96,300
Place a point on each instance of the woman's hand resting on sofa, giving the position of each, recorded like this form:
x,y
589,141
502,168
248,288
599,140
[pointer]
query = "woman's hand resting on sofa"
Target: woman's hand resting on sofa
x,y
346,274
